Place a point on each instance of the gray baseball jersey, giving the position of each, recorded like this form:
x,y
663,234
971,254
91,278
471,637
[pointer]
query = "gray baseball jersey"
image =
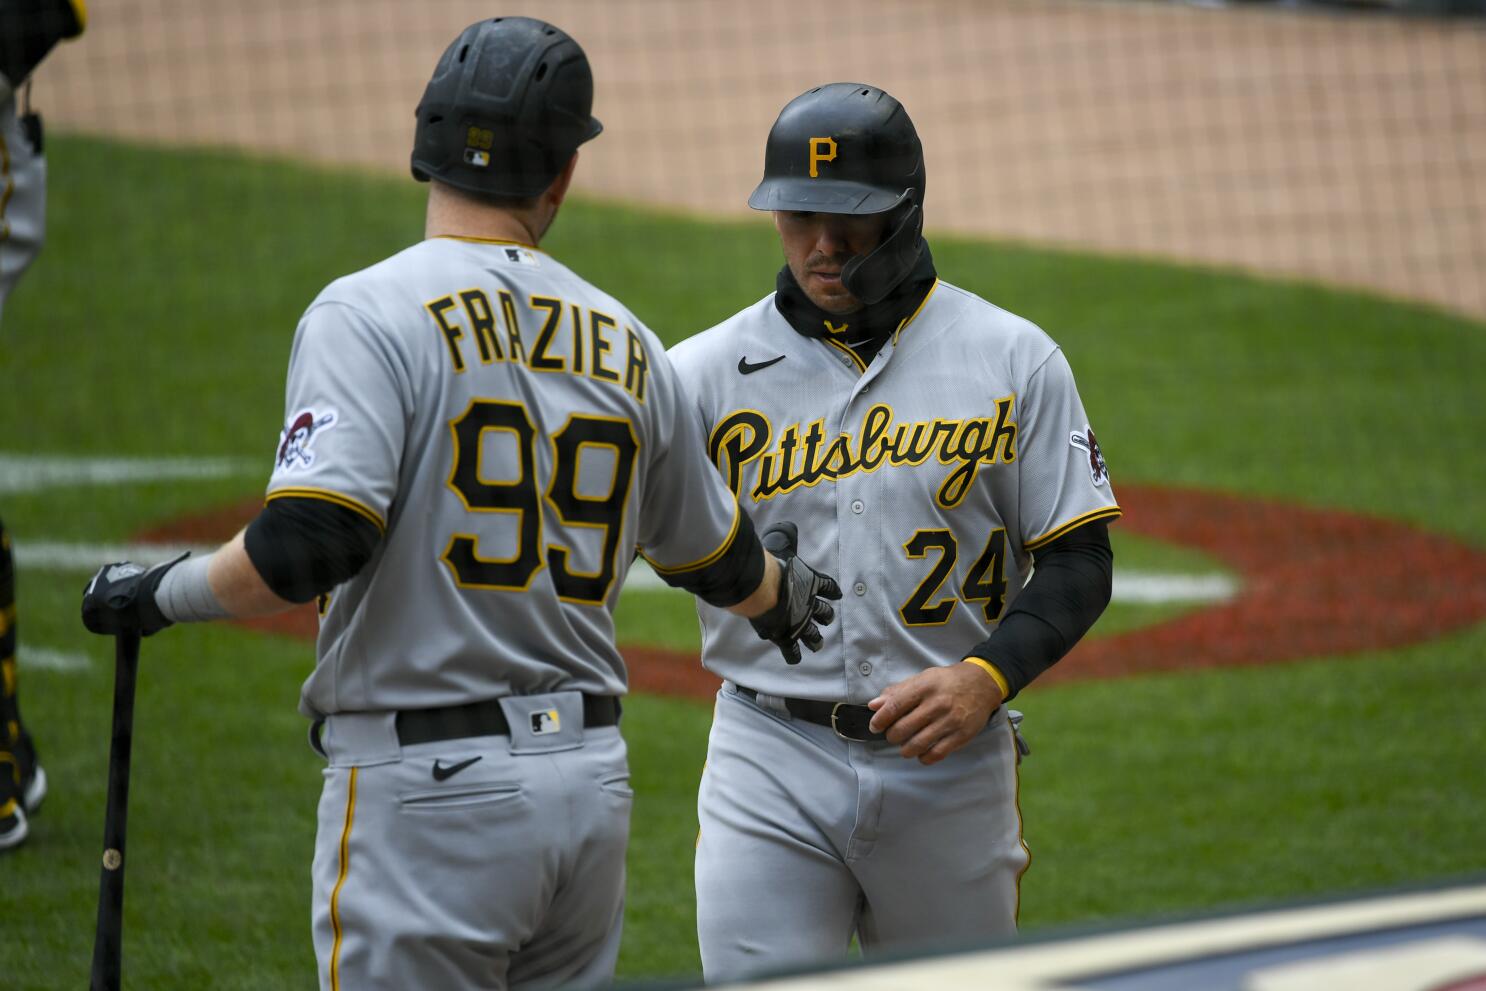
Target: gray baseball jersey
x,y
515,434
513,431
22,198
923,480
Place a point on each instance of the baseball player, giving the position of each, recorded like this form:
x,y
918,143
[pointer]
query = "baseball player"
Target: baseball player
x,y
476,441
29,29
931,447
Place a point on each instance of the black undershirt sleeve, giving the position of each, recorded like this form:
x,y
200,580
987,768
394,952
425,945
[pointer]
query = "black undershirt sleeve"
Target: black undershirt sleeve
x,y
303,547
731,577
1068,591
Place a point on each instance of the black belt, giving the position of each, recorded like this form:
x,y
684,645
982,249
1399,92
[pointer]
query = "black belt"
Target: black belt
x,y
486,719
848,719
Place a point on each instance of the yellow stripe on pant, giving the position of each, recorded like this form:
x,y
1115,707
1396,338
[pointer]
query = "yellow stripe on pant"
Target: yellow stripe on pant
x,y
335,896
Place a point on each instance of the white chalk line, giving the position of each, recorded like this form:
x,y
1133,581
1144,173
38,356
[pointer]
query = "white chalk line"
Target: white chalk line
x,y
33,473
1136,587
40,472
47,659
54,556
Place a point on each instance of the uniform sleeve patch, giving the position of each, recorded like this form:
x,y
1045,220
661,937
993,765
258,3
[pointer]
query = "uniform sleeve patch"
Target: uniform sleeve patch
x,y
296,451
1084,441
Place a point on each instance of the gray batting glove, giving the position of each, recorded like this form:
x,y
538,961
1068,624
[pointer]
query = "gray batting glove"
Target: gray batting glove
x,y
803,592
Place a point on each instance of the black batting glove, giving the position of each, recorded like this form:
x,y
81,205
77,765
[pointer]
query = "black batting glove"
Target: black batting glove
x,y
121,599
803,592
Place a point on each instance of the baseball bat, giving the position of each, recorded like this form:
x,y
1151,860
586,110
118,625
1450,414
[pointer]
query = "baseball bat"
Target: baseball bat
x,y
108,937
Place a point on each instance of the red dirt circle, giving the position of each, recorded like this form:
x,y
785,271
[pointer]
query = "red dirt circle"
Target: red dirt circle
x,y
1315,583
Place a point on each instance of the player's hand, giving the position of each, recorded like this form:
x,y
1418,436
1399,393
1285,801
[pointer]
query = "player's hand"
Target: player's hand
x,y
121,599
803,592
937,711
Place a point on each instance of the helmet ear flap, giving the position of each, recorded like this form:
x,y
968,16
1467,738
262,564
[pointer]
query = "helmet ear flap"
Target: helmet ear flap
x,y
871,277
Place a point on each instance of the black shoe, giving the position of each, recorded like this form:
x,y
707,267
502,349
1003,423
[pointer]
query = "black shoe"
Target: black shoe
x,y
33,776
13,826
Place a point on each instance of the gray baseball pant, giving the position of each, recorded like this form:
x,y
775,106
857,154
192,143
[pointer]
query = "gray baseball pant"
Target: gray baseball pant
x,y
807,839
506,874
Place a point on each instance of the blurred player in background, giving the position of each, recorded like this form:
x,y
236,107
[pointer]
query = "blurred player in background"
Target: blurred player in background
x,y
29,29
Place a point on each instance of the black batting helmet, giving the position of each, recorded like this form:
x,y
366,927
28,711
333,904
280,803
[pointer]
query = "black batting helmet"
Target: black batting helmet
x,y
850,148
508,104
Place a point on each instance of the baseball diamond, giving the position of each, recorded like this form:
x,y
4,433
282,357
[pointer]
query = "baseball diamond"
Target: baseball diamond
x,y
1252,231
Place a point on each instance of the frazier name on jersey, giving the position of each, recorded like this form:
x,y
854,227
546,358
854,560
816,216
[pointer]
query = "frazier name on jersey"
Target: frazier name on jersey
x,y
590,347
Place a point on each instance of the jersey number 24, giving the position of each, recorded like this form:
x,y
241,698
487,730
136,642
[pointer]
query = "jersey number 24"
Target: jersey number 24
x,y
985,582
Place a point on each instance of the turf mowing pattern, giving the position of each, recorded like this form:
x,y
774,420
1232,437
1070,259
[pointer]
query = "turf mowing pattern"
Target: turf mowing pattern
x,y
158,321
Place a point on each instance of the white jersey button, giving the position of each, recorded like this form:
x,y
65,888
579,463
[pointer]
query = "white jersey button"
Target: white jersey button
x,y
864,667
857,506
859,588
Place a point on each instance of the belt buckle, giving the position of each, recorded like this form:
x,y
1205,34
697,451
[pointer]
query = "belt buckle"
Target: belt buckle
x,y
836,726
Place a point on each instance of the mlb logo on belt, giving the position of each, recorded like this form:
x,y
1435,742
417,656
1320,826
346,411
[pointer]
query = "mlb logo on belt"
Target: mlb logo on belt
x,y
544,722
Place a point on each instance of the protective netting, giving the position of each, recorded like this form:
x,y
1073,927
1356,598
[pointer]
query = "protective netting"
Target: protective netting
x,y
1341,144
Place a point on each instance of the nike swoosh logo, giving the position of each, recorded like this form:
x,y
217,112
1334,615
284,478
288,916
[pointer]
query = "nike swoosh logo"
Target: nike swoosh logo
x,y
442,773
746,367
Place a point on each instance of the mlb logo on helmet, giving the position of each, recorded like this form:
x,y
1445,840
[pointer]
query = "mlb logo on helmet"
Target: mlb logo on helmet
x,y
545,722
478,142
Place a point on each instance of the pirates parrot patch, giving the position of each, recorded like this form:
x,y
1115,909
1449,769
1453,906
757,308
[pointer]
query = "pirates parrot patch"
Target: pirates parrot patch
x,y
1098,470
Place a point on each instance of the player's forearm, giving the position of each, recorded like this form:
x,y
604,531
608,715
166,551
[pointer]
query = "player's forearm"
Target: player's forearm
x,y
1068,592
238,586
222,585
294,550
765,595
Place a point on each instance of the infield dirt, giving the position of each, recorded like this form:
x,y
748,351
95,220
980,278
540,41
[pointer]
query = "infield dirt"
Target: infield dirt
x,y
1347,583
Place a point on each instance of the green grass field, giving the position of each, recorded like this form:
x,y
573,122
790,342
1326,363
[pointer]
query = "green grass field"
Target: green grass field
x,y
158,322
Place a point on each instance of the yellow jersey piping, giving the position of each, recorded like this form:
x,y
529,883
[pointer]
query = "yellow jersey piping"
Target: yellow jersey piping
x,y
485,240
912,316
1104,513
306,492
846,351
726,545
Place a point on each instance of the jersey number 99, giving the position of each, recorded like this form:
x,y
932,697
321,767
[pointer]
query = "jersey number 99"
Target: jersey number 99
x,y
522,497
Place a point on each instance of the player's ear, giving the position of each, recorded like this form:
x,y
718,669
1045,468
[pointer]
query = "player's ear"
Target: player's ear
x,y
558,191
